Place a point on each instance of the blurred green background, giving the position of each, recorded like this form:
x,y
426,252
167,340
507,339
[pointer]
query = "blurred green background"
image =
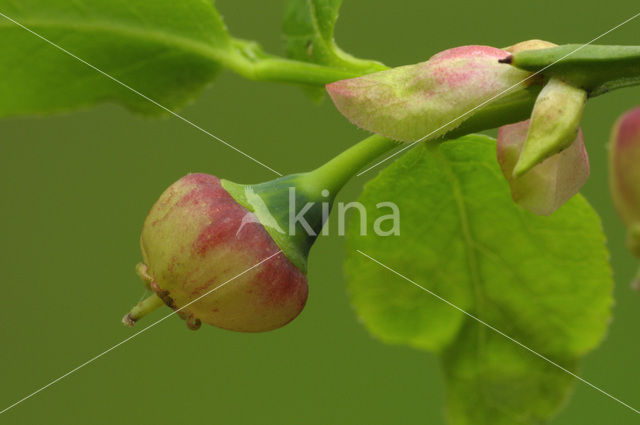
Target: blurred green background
x,y
75,190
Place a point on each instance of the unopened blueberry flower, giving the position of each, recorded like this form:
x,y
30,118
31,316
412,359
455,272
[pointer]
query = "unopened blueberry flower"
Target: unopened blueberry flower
x,y
544,158
549,184
429,98
624,177
624,160
197,237
235,255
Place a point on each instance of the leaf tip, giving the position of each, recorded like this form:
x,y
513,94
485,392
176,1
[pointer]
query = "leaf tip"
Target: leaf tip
x,y
525,163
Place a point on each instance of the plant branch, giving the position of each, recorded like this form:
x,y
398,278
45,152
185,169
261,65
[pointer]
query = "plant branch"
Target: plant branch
x,y
596,68
334,174
247,59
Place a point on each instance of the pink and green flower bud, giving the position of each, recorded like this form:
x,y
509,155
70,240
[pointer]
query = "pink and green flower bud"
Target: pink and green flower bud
x,y
235,256
555,122
196,238
548,185
624,167
429,98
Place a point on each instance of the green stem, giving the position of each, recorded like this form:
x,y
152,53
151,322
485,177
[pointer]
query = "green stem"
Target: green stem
x,y
333,175
290,71
597,69
247,59
143,308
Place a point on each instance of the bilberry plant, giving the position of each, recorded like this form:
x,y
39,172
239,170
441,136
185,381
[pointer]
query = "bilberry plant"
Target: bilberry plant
x,y
495,229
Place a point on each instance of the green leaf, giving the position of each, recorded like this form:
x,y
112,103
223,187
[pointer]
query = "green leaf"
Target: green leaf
x,y
308,28
544,281
167,50
492,380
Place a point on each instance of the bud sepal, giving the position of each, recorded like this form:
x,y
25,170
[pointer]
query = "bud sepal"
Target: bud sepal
x,y
555,122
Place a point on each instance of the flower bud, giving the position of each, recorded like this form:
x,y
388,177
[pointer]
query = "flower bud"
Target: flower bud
x,y
624,167
555,121
624,178
234,255
429,98
197,237
549,184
